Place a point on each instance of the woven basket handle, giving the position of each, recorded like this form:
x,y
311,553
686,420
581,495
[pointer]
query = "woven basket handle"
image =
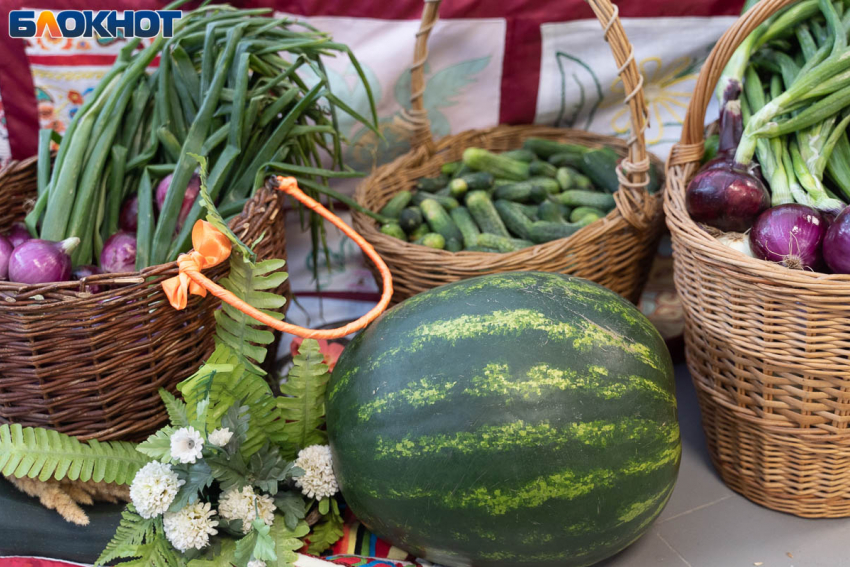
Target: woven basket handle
x,y
632,199
692,145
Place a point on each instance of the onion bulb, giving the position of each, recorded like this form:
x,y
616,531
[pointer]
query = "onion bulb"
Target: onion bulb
x,y
42,261
791,235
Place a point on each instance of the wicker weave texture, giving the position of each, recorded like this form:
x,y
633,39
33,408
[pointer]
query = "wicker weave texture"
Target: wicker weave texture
x,y
91,365
768,347
615,251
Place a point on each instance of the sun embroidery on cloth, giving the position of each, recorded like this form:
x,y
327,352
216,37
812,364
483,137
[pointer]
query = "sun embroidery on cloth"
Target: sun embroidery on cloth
x,y
667,90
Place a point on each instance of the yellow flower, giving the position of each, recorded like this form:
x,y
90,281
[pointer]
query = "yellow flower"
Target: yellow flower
x,y
667,90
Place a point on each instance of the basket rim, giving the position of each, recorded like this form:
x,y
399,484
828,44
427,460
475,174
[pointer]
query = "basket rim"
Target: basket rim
x,y
367,226
684,162
13,292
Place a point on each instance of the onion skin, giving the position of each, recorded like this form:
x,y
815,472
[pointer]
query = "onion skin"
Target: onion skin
x,y
18,234
128,218
729,199
836,243
39,261
791,235
119,253
192,191
5,253
85,271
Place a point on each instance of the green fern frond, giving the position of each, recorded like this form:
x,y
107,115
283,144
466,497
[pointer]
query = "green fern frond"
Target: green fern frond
x,y
44,453
228,387
328,531
176,409
303,402
158,445
132,531
213,557
287,542
247,337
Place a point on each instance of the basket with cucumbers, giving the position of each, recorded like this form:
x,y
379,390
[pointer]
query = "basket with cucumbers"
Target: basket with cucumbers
x,y
517,197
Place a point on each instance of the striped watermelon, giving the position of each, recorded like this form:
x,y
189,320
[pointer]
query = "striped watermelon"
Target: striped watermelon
x,y
523,418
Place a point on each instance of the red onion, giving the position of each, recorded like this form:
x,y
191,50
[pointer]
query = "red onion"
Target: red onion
x,y
19,234
791,235
727,198
192,191
42,261
85,271
128,218
5,252
836,243
119,253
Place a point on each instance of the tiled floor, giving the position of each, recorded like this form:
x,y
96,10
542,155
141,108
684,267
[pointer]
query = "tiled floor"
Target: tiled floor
x,y
707,525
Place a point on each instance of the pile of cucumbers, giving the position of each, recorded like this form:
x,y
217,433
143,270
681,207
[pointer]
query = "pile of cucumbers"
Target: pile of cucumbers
x,y
490,202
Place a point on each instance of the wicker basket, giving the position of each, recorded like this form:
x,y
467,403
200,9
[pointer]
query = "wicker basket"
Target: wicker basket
x,y
615,251
768,347
91,365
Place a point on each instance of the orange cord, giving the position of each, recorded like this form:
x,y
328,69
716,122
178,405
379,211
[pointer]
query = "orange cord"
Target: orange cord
x,y
290,186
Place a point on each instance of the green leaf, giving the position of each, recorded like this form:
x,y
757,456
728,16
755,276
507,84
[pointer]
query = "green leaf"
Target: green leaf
x,y
268,469
176,409
238,421
158,445
303,402
328,531
230,473
258,544
287,543
132,530
292,506
196,477
141,542
324,506
44,453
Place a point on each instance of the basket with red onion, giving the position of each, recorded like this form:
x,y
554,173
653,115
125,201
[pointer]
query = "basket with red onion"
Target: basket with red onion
x,y
780,179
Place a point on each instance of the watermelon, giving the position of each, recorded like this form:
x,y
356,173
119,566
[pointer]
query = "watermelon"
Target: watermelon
x,y
523,418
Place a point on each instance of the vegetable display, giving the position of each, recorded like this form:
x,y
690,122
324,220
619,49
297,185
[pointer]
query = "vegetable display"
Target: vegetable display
x,y
782,164
490,202
541,407
243,89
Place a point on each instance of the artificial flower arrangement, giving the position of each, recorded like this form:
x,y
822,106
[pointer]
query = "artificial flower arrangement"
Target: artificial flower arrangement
x,y
239,476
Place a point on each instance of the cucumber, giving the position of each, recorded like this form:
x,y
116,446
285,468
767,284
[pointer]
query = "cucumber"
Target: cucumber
x,y
393,209
549,211
547,148
550,185
410,219
463,170
522,155
444,192
432,240
480,180
583,182
454,245
542,231
498,182
580,212
514,218
579,198
500,243
466,225
542,168
451,167
447,203
419,232
601,167
498,165
528,210
566,177
440,221
432,184
486,217
565,160
481,249
654,179
394,230
521,242
521,192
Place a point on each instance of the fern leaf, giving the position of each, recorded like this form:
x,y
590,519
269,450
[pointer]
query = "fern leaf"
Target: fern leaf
x,y
132,531
303,403
212,557
175,408
287,542
229,472
43,453
328,531
158,445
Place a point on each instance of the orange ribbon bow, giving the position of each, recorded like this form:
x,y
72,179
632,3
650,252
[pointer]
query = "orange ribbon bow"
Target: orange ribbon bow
x,y
211,248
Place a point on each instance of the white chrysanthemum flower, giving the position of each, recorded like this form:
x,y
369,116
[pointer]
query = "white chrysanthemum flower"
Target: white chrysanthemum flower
x,y
256,563
239,505
191,527
154,488
318,480
220,437
187,445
